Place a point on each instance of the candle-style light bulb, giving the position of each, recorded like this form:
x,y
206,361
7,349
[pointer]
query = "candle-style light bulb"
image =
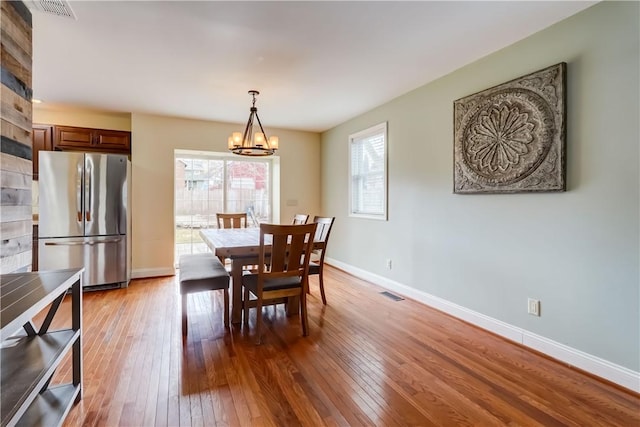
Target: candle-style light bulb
x,y
273,142
237,138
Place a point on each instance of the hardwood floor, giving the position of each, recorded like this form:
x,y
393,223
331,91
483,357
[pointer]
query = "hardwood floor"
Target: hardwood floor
x,y
368,360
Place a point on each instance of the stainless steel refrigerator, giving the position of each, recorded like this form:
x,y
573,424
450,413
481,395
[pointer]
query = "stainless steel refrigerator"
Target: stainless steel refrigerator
x,y
84,216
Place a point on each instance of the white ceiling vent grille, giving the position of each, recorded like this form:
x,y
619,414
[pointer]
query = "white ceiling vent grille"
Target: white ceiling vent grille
x,y
54,7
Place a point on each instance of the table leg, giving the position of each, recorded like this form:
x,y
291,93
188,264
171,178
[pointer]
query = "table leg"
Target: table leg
x,y
236,285
293,306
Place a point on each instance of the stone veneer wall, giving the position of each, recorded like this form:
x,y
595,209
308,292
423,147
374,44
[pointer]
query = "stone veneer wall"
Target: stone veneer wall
x,y
15,129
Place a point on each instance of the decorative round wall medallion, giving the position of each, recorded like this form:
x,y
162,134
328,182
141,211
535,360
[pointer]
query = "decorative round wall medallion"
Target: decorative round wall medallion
x,y
507,139
504,135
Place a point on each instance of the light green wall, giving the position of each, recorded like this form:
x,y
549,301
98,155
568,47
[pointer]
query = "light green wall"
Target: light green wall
x,y
575,251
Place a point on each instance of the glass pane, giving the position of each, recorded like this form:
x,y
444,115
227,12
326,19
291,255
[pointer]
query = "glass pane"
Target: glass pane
x,y
192,204
248,189
215,191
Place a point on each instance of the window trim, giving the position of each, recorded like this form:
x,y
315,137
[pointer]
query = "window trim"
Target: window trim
x,y
371,131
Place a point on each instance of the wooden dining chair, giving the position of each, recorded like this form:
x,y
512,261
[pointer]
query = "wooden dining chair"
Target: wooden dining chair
x,y
283,260
316,266
231,220
299,219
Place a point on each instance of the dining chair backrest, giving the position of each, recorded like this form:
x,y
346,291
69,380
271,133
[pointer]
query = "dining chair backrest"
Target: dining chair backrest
x,y
323,229
325,223
284,251
232,220
299,219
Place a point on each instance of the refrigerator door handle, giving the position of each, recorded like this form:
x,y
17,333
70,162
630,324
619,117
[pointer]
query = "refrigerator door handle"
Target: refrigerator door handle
x,y
91,243
88,194
79,193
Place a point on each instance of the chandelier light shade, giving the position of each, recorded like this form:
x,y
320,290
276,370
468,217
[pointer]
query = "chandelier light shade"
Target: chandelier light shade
x,y
254,141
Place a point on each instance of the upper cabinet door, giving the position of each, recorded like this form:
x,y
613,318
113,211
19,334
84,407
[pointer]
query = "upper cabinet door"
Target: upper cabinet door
x,y
42,140
72,137
113,139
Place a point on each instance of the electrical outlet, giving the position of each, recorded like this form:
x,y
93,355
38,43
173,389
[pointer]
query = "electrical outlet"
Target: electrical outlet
x,y
388,263
533,307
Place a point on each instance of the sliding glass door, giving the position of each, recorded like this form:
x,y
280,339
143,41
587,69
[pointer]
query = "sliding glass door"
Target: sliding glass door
x,y
208,183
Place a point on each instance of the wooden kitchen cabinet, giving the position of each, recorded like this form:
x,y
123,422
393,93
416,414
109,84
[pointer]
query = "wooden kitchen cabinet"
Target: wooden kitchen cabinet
x,y
41,139
69,138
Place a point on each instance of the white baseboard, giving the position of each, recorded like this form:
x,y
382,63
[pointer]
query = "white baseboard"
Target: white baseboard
x,y
142,273
602,368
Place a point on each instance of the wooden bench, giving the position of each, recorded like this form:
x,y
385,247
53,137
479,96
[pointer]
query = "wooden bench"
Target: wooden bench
x,y
202,272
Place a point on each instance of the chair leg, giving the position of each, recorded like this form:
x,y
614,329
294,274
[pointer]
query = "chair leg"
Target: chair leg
x,y
259,321
184,314
303,314
245,307
321,281
226,307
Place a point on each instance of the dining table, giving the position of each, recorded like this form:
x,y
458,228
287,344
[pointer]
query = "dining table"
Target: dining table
x,y
241,247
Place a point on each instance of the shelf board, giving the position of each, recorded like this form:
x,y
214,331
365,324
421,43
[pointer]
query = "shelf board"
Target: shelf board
x,y
27,364
50,408
25,294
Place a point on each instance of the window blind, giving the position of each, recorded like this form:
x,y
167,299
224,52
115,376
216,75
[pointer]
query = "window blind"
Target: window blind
x,y
368,172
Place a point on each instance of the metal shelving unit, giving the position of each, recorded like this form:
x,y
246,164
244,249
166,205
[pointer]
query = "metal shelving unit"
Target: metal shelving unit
x,y
29,357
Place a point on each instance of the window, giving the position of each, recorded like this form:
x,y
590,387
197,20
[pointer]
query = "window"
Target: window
x,y
368,173
208,183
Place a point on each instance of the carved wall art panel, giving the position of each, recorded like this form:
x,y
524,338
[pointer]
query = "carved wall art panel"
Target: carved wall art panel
x,y
511,138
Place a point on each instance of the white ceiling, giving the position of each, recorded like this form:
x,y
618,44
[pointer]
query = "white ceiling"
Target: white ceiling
x,y
316,64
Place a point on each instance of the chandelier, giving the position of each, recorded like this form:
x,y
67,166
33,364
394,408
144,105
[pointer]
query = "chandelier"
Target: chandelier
x,y
253,142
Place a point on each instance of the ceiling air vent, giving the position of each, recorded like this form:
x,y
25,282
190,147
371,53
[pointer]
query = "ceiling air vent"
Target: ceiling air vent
x,y
53,7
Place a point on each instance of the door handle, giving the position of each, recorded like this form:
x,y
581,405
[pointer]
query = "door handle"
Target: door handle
x,y
79,192
91,243
88,195
64,243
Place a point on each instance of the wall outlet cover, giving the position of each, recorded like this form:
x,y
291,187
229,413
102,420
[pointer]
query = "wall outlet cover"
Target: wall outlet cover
x,y
533,307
